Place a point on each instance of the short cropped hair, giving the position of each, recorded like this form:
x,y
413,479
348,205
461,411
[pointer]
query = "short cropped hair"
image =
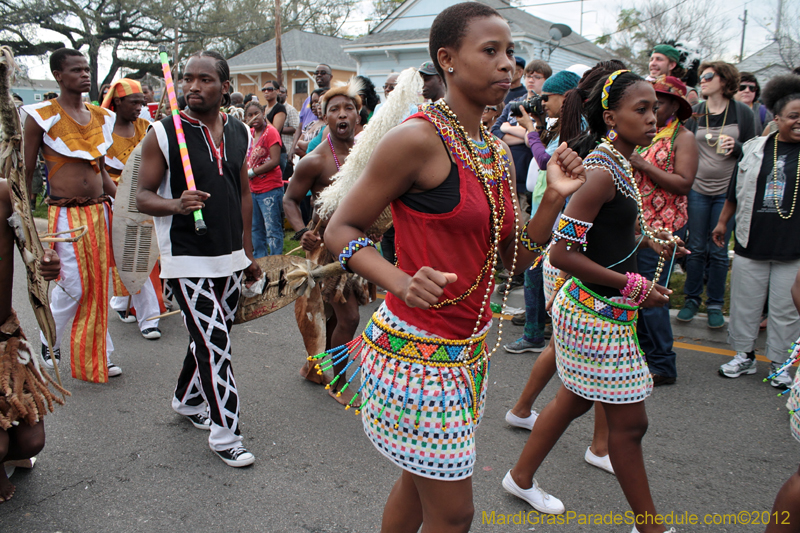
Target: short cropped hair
x,y
58,57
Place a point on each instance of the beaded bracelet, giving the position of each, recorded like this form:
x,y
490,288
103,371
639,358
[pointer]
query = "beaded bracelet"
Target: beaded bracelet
x,y
299,235
529,245
351,248
572,230
560,283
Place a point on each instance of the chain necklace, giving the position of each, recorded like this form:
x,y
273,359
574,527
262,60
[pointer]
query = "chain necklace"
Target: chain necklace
x,y
775,178
491,173
724,118
333,150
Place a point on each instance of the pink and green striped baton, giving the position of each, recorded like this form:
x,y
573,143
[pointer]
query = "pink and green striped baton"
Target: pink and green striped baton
x,y
199,224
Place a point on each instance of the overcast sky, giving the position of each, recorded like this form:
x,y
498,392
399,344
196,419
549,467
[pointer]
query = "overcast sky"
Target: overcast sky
x,y
599,17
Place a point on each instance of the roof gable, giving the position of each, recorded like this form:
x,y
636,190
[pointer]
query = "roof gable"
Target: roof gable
x,y
298,47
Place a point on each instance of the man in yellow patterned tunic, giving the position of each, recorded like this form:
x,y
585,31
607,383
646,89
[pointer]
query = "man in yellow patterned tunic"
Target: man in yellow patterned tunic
x,y
74,138
125,98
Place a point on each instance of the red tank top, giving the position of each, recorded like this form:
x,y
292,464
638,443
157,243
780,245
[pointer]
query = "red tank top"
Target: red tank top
x,y
456,242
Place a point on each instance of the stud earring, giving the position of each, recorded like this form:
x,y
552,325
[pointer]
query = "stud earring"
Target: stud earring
x,y
450,70
612,135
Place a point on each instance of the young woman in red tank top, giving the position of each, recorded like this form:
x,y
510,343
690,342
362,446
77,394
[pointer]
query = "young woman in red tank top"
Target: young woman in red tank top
x,y
423,355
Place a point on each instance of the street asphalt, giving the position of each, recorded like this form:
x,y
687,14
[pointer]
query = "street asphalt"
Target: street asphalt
x,y
118,459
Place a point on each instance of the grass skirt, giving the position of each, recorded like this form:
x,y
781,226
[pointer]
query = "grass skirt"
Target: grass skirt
x,y
597,351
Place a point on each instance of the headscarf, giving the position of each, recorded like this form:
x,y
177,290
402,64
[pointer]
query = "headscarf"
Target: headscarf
x,y
121,88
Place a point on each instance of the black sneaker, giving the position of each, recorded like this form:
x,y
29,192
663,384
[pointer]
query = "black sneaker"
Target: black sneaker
x,y
237,456
151,334
200,421
48,362
127,318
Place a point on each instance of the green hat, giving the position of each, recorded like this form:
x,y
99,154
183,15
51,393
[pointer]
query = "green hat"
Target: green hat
x,y
669,51
561,82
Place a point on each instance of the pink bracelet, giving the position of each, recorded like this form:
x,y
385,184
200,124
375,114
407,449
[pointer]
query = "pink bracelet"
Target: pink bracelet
x,y
632,282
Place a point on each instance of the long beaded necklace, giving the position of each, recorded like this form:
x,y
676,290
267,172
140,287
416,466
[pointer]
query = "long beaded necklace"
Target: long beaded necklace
x,y
646,230
333,150
775,178
491,173
672,122
724,118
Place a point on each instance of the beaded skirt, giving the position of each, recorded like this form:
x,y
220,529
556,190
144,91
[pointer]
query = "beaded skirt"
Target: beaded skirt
x,y
549,275
421,397
794,397
597,350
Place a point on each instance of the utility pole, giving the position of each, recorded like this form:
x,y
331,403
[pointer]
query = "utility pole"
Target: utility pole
x,y
744,27
278,51
778,20
581,30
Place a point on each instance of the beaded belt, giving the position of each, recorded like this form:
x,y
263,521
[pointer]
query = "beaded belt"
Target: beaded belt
x,y
429,351
467,359
616,312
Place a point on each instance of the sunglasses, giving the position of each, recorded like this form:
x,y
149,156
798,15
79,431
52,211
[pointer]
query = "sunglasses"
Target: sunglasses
x,y
747,87
544,97
389,86
708,76
489,108
267,89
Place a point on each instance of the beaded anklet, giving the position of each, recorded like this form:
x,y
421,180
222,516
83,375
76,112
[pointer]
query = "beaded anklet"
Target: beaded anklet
x,y
351,248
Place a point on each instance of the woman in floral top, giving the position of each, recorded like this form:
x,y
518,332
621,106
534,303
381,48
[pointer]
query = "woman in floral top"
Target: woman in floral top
x,y
665,172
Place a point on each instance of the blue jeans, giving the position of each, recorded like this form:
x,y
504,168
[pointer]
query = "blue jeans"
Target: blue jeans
x,y
535,314
654,327
268,223
703,216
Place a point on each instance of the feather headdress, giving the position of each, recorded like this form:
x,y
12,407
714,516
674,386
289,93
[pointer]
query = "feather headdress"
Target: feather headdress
x,y
349,89
390,114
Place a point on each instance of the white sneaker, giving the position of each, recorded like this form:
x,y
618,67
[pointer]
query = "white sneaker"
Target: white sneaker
x,y
603,463
536,497
114,370
782,380
524,423
237,457
741,364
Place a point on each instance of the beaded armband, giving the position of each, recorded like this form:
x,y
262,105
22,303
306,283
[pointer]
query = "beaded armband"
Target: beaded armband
x,y
572,230
351,248
560,283
529,245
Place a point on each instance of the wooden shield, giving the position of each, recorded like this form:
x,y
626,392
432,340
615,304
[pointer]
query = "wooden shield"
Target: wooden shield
x,y
133,233
277,292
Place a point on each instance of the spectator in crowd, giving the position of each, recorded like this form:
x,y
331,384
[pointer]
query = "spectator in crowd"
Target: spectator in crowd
x,y
275,113
432,84
749,93
541,129
322,76
517,90
390,83
266,185
692,97
514,135
664,171
722,125
762,195
237,99
287,133
666,60
369,99
489,116
312,129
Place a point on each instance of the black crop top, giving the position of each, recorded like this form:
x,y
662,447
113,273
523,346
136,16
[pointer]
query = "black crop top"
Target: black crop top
x,y
612,238
441,199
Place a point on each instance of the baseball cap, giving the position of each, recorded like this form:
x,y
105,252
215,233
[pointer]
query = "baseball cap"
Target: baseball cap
x,y
428,68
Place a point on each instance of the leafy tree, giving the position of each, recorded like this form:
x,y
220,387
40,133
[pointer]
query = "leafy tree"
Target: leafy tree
x,y
651,22
129,31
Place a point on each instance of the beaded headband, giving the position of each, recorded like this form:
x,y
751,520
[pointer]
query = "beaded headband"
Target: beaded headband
x,y
607,86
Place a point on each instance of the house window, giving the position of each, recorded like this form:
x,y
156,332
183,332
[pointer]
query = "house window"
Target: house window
x,y
37,97
300,87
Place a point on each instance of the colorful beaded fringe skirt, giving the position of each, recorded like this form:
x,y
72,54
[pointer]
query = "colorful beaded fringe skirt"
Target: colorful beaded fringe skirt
x,y
794,397
421,397
549,276
597,351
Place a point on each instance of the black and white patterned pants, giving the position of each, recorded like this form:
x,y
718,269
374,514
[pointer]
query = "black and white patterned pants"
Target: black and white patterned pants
x,y
208,307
